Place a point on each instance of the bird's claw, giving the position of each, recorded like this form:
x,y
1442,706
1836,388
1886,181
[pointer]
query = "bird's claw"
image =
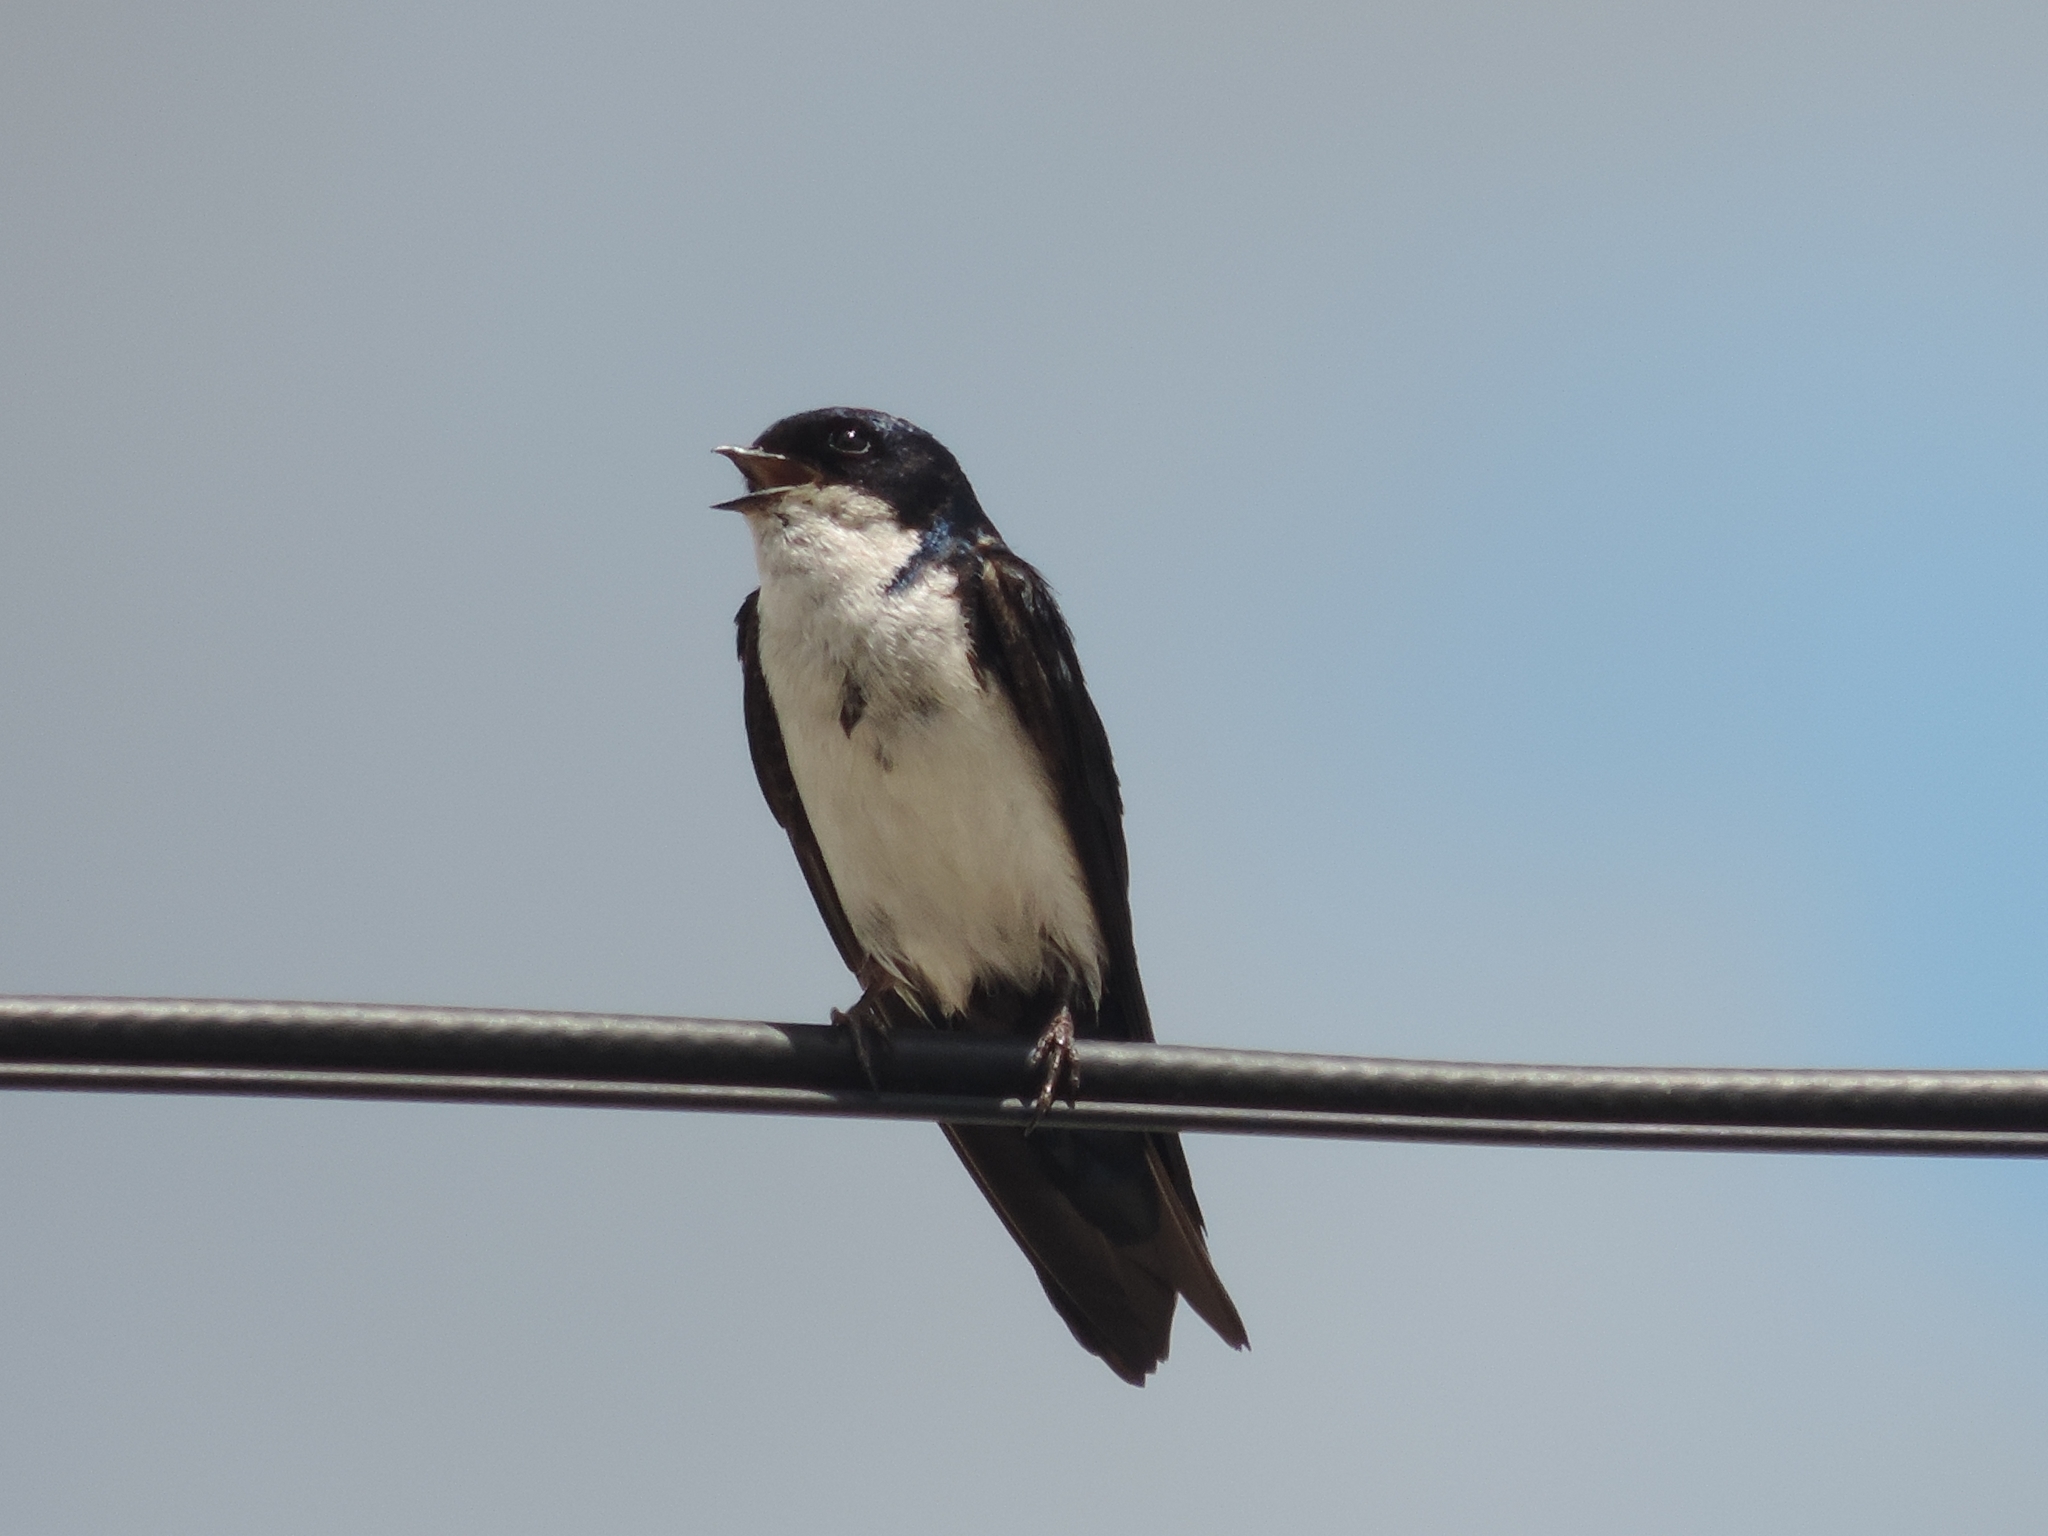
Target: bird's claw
x,y
1055,1052
864,1024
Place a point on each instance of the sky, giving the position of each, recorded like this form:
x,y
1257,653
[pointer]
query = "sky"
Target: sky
x,y
1551,502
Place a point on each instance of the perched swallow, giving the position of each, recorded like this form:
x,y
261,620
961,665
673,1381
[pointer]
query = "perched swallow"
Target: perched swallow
x,y
921,731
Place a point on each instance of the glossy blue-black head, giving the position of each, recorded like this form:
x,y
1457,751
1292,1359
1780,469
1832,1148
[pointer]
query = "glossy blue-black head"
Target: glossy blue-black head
x,y
870,451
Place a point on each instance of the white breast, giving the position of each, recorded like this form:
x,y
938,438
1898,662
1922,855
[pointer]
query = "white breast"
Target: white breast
x,y
933,813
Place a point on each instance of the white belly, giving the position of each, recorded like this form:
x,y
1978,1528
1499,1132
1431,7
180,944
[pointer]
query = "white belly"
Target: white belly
x,y
938,824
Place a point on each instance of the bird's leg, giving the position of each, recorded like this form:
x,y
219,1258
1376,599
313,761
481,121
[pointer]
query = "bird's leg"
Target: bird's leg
x,y
1055,1052
867,1021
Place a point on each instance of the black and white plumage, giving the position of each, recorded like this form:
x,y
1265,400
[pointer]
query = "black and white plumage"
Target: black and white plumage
x,y
920,729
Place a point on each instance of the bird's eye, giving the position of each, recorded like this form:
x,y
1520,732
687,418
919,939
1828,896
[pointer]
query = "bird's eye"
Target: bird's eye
x,y
849,440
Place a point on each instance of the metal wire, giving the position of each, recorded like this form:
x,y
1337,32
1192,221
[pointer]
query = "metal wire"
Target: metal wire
x,y
328,1050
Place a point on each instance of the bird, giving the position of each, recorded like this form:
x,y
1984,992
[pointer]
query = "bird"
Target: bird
x,y
921,730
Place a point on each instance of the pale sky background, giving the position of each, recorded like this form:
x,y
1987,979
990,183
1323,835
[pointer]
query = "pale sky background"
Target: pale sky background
x,y
1554,505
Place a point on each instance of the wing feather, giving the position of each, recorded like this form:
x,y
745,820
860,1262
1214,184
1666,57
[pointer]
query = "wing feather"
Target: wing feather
x,y
1020,637
778,785
1022,640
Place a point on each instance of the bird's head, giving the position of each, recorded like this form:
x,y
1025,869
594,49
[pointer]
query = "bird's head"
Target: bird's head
x,y
854,469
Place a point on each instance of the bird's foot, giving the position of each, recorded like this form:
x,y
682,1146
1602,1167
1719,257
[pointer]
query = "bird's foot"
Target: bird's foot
x,y
1055,1052
867,1023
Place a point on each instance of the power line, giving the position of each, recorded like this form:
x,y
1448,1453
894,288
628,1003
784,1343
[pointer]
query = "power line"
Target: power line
x,y
361,1051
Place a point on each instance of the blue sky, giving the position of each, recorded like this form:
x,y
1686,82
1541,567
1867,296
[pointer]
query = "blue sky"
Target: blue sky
x,y
1551,503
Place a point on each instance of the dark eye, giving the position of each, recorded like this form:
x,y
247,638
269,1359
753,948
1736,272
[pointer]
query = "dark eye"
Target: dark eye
x,y
849,440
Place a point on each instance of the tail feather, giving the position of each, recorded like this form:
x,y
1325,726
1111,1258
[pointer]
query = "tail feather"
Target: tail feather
x,y
1192,1273
1114,1253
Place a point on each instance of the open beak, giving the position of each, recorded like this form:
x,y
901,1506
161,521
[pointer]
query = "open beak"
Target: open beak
x,y
768,476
